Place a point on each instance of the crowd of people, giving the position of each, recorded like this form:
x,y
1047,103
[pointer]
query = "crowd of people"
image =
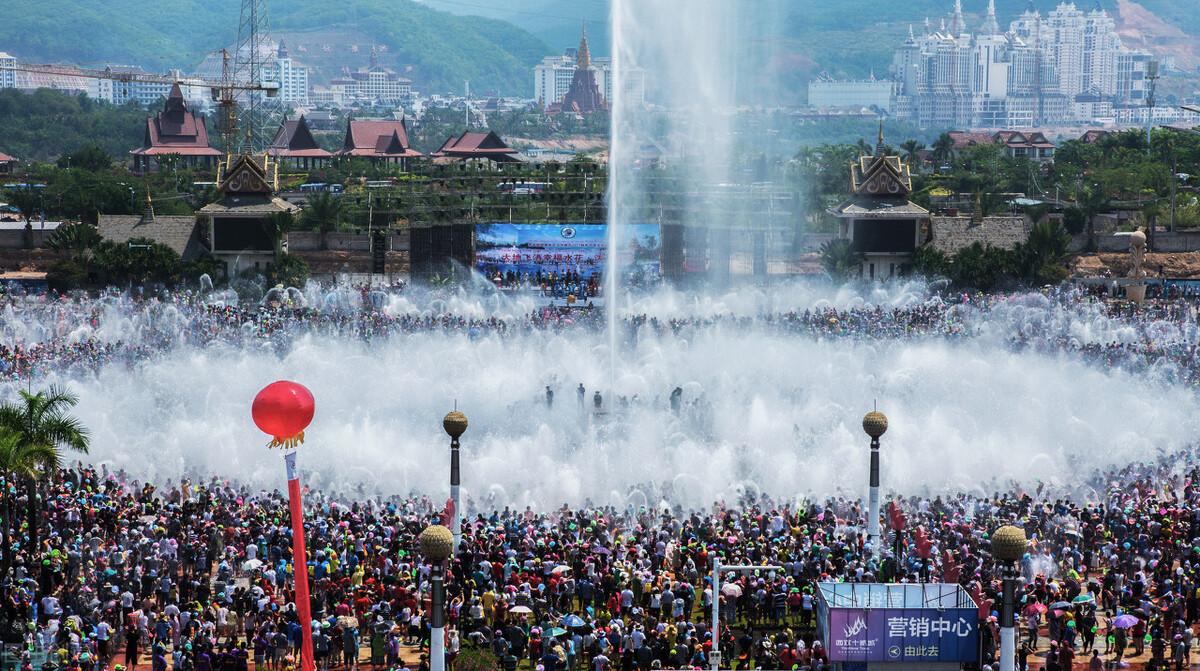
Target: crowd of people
x,y
58,333
101,571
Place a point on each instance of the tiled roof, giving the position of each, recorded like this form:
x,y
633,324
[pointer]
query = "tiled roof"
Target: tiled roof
x,y
951,234
177,232
384,139
249,205
176,130
294,139
872,208
963,139
476,145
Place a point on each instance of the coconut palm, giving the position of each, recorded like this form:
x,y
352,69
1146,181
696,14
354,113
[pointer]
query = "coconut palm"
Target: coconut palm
x,y
80,239
323,213
840,260
41,422
943,147
911,147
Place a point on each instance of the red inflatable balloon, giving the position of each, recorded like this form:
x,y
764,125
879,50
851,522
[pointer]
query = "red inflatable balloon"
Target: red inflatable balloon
x,y
283,410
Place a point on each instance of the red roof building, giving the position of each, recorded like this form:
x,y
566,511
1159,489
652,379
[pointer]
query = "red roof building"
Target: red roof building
x,y
1032,145
475,146
385,141
295,145
175,131
1017,144
965,139
7,164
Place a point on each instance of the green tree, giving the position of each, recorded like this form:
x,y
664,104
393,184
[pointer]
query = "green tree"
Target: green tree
x,y
278,225
911,147
289,270
79,239
1040,258
930,262
27,202
41,425
92,157
322,213
1092,201
943,148
840,260
139,261
982,268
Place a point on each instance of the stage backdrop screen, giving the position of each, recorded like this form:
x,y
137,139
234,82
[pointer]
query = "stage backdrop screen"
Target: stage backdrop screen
x,y
558,248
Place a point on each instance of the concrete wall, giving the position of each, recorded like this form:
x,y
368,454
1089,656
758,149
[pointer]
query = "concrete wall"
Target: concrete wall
x,y
310,241
16,239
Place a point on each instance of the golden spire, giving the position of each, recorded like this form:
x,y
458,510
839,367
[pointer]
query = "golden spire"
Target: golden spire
x,y
584,60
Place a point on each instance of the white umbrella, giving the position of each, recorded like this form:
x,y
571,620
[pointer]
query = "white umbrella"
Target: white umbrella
x,y
520,610
731,589
560,569
251,564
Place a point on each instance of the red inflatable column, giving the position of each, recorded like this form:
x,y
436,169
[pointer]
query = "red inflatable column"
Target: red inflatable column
x,y
300,563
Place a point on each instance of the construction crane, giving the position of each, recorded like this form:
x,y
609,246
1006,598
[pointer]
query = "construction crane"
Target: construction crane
x,y
224,92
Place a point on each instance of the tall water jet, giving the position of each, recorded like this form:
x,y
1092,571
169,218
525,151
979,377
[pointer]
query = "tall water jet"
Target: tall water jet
x,y
680,158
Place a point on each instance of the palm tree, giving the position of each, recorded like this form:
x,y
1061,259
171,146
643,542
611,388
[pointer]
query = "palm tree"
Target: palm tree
x,y
840,260
943,147
80,239
322,213
41,423
26,201
911,147
1093,200
278,225
18,461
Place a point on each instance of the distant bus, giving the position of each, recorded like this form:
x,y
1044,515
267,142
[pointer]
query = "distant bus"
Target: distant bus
x,y
315,187
524,188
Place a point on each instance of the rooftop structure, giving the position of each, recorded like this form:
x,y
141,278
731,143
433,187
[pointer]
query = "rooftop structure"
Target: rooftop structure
x,y
476,145
295,144
378,140
175,131
883,226
584,95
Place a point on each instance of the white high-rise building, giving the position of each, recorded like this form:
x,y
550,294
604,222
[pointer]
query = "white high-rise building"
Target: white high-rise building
x,y
8,76
291,77
1068,65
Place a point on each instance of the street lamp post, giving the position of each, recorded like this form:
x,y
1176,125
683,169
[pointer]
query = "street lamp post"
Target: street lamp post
x,y
715,656
436,545
1008,546
874,423
455,423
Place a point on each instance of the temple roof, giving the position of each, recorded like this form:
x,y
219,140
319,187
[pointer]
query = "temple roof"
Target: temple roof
x,y
377,138
476,145
295,140
584,94
879,186
176,130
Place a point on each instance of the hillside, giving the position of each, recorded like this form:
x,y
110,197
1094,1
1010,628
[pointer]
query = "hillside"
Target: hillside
x,y
438,50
